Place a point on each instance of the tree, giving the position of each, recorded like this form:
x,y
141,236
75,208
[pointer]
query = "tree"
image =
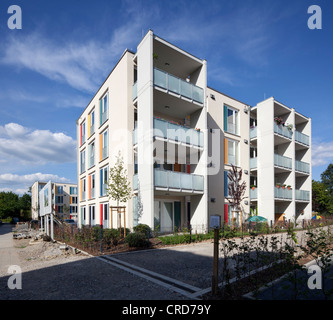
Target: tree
x,y
236,188
327,178
119,187
322,201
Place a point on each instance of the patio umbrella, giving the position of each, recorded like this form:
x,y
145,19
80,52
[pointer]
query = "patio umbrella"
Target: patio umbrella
x,y
256,219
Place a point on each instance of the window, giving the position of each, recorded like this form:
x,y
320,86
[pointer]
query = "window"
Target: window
x,y
91,123
83,161
226,182
82,133
73,200
83,189
60,209
103,140
59,199
104,109
91,152
92,215
231,152
231,120
73,190
83,215
104,181
92,186
60,190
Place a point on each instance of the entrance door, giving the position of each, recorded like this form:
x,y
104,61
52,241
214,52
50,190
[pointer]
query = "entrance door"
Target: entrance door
x,y
167,217
177,211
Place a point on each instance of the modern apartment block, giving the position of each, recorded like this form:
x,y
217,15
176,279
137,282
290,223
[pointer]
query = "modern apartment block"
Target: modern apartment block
x,y
280,162
178,138
64,199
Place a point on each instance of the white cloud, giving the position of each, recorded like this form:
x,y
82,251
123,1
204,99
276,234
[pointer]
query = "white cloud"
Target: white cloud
x,y
322,153
35,147
20,183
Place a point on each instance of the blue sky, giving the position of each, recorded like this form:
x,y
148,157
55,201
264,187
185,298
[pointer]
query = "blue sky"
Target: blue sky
x,y
51,68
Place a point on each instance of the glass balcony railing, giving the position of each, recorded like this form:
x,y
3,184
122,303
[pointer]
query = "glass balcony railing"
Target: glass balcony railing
x,y
104,153
171,131
253,193
281,193
302,195
282,161
168,130
253,132
179,86
302,138
135,182
302,166
253,163
135,91
283,131
178,180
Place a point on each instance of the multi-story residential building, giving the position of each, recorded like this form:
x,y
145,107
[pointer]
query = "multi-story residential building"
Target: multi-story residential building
x,y
64,199
280,162
178,139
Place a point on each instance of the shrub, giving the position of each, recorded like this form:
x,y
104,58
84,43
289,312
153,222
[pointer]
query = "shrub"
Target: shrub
x,y
143,228
137,239
111,236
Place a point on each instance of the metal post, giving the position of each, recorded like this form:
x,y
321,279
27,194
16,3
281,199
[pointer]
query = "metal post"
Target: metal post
x,y
51,222
215,262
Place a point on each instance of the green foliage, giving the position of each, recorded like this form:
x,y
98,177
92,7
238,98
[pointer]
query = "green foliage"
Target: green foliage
x,y
137,239
12,205
119,187
327,178
111,236
143,228
322,200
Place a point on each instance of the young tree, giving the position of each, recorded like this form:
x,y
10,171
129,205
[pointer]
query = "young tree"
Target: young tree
x,y
119,187
236,189
327,178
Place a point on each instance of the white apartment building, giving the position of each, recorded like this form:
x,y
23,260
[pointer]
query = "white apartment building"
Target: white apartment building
x,y
64,199
280,162
178,139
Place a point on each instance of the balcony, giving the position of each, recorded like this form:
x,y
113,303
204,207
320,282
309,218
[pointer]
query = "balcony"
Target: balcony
x,y
253,163
253,193
281,193
170,131
253,133
135,91
302,166
302,138
282,161
175,132
178,181
302,195
282,131
178,86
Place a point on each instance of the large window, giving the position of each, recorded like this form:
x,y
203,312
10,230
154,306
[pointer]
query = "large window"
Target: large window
x,y
103,145
92,186
91,123
233,153
104,106
82,133
231,120
83,161
104,178
91,152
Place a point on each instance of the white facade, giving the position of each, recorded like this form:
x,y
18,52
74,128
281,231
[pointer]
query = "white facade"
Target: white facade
x,y
63,199
280,157
178,139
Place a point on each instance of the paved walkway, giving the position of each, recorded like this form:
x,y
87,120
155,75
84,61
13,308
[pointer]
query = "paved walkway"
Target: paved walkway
x,y
8,254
